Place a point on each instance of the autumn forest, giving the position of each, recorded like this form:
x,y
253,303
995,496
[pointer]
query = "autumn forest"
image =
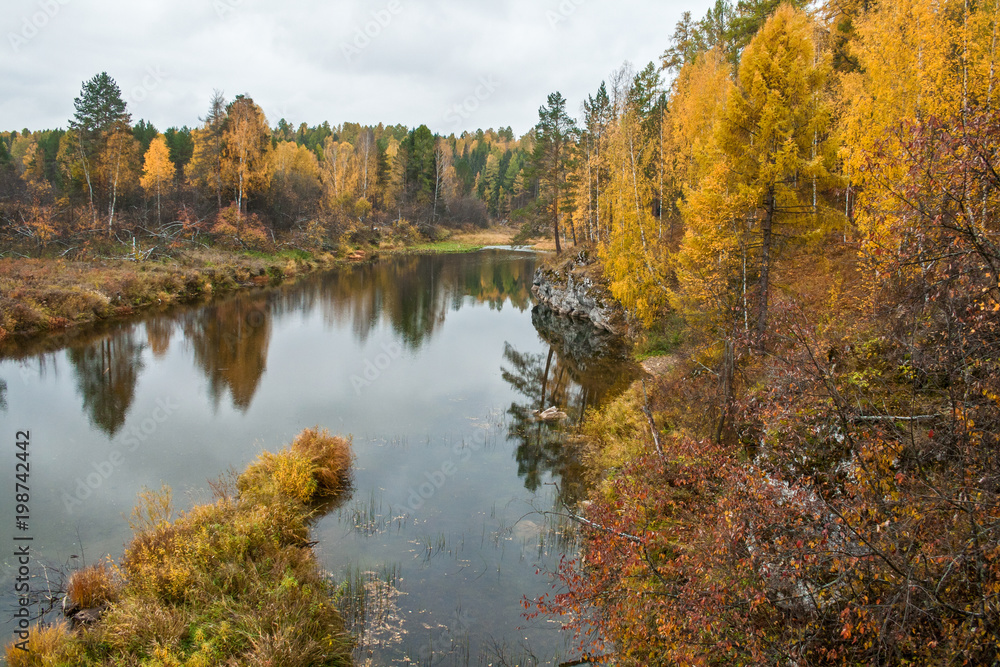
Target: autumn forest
x,y
799,207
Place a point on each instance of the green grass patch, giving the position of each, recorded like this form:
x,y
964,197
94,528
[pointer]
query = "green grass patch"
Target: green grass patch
x,y
444,247
663,338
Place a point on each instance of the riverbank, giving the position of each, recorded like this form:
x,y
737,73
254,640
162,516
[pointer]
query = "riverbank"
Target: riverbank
x,y
50,295
232,582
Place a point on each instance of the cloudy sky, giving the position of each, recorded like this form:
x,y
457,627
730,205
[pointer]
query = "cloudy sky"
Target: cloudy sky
x,y
450,64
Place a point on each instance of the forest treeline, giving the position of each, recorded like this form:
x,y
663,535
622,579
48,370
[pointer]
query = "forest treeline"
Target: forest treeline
x,y
814,199
236,179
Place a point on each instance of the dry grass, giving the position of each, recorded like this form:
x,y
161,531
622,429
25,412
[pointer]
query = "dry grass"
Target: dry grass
x,y
284,475
228,583
92,587
316,466
330,456
48,294
503,236
46,646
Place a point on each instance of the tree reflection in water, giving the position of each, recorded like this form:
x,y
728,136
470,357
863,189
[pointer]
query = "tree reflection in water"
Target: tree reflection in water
x,y
582,367
159,331
230,342
415,294
107,372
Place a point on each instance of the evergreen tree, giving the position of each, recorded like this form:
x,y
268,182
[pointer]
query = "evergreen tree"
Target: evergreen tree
x,y
181,146
101,117
204,170
144,132
420,172
555,134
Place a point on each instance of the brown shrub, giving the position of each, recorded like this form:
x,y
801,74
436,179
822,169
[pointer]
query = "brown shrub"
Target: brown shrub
x,y
331,456
92,587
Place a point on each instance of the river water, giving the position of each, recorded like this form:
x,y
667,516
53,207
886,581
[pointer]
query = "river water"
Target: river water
x,y
433,364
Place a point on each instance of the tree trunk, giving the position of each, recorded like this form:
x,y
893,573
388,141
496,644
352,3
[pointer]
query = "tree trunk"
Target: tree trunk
x,y
726,388
545,380
90,186
555,222
767,229
114,189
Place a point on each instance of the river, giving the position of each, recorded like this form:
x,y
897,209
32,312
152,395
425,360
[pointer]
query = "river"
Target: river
x,y
433,364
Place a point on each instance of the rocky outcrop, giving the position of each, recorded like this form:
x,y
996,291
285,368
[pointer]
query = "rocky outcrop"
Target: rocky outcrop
x,y
570,291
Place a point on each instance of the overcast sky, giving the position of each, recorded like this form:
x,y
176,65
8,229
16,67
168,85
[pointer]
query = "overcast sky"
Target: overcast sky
x,y
451,64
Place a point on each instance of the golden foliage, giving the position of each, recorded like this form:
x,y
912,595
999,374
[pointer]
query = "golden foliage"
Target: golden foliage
x,y
330,456
46,647
158,170
316,465
284,475
917,60
92,587
153,510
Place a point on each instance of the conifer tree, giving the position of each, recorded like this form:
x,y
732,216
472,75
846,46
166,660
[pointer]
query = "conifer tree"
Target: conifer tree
x,y
555,134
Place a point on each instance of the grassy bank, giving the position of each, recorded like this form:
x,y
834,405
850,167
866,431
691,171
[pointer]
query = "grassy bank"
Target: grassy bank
x,y
43,295
48,294
475,240
230,583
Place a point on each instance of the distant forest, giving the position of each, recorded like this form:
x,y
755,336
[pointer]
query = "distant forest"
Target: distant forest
x,y
106,172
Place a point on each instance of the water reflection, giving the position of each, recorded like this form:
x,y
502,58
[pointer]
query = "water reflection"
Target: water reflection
x,y
415,294
437,419
3,395
580,368
230,342
107,372
159,332
231,336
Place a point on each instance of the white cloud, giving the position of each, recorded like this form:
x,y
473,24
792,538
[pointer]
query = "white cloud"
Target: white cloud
x,y
421,58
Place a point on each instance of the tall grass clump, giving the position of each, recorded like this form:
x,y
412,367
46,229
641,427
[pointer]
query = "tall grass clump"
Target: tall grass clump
x,y
233,582
315,467
91,587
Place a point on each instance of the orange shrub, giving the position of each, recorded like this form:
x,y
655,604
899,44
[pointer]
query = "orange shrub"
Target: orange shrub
x,y
92,587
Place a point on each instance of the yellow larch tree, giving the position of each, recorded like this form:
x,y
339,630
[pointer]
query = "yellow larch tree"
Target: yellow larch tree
x,y
158,171
917,61
635,259
697,107
776,136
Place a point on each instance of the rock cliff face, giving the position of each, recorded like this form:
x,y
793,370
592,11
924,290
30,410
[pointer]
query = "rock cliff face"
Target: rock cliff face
x,y
569,291
577,340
